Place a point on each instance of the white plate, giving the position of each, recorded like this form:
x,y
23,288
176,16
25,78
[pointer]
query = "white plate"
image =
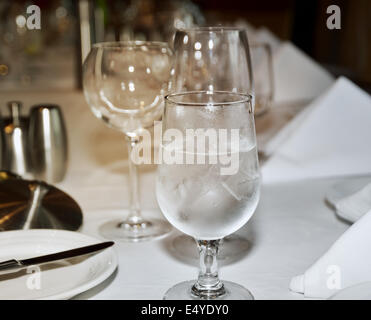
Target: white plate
x,y
360,291
58,280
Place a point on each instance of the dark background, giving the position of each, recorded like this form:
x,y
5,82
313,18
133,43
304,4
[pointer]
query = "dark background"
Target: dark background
x,y
343,52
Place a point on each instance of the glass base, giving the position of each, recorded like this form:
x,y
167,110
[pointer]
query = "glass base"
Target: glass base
x,y
232,248
232,291
134,232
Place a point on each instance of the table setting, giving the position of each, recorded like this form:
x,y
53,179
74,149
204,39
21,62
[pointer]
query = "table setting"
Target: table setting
x,y
102,195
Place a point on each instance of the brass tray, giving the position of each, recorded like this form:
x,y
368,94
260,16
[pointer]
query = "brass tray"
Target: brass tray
x,y
27,204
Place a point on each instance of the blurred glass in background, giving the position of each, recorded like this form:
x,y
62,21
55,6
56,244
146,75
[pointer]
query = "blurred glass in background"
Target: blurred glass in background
x,y
38,59
51,57
262,62
151,20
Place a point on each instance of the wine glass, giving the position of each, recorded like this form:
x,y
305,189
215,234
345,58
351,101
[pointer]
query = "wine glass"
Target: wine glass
x,y
212,58
200,197
124,84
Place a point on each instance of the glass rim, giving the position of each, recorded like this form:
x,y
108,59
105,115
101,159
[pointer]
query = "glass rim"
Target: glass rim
x,y
212,29
131,43
244,98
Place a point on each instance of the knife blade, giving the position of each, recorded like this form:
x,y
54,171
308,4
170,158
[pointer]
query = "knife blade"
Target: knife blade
x,y
14,264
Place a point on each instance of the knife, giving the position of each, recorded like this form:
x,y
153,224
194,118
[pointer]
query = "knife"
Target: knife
x,y
15,265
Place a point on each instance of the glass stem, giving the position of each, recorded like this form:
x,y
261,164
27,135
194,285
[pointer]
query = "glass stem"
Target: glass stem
x,y
208,285
134,217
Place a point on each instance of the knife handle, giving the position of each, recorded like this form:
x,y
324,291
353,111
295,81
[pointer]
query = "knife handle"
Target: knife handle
x,y
9,266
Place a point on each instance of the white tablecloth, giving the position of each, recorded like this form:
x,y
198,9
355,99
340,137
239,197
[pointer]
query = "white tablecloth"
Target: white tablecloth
x,y
287,233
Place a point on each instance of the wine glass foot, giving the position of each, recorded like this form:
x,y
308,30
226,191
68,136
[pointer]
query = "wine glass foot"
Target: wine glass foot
x,y
232,291
232,247
135,232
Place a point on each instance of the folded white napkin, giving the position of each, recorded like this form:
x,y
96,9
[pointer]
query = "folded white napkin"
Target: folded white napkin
x,y
356,205
298,77
349,204
289,128
263,35
346,263
331,139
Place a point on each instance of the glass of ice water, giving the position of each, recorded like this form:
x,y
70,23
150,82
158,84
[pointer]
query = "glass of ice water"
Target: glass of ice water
x,y
208,182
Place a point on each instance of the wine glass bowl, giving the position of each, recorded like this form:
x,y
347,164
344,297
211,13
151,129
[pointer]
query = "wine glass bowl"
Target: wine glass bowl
x,y
124,83
199,199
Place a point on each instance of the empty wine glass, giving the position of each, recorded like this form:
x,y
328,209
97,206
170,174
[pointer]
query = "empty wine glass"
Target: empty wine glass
x,y
124,84
212,59
197,190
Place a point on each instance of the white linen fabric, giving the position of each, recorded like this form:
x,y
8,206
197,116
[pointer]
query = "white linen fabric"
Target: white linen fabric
x,y
297,77
330,139
346,263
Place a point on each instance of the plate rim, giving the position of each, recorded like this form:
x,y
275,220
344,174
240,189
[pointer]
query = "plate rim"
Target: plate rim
x,y
81,288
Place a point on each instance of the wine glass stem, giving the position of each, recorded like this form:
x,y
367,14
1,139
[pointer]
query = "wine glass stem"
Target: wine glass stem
x,y
134,214
208,284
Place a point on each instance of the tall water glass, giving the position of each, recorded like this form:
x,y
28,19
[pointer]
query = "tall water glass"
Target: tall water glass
x,y
208,183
